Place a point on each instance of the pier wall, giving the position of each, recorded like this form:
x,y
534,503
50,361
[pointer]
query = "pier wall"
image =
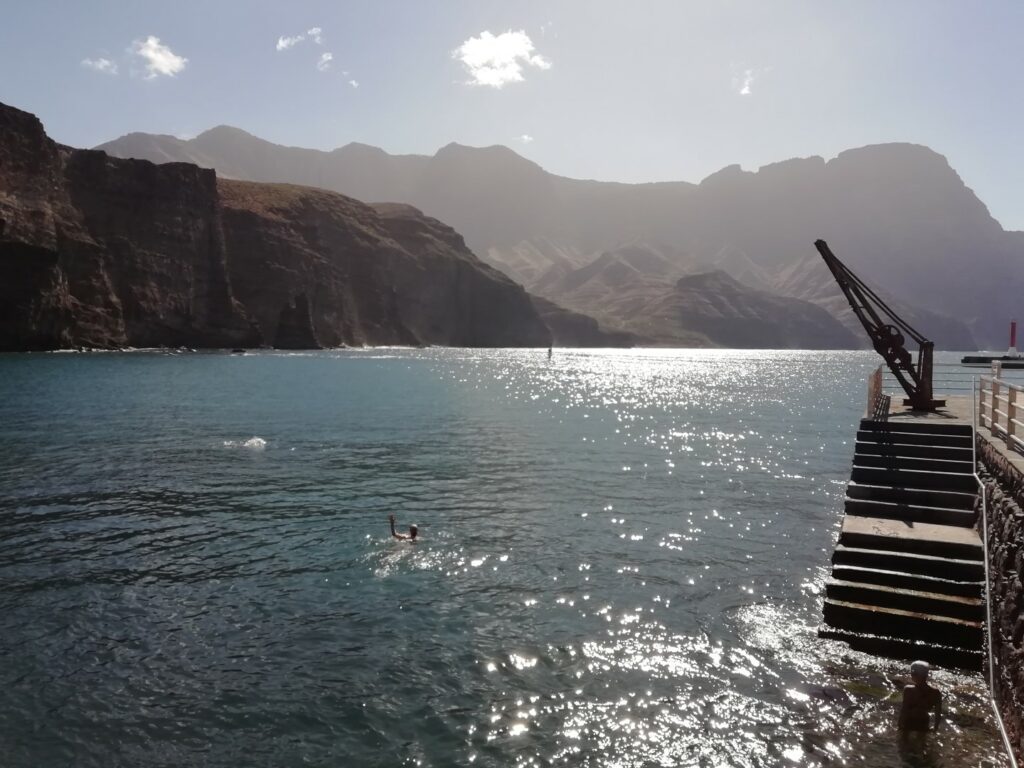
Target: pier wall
x,y
1004,484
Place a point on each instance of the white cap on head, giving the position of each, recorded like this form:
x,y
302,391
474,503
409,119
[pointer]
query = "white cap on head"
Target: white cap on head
x,y
920,668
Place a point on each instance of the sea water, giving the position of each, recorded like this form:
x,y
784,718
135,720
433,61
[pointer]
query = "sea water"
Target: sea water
x,y
621,563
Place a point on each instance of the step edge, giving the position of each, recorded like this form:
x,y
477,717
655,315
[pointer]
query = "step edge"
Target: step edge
x,y
974,602
939,579
979,625
911,506
914,555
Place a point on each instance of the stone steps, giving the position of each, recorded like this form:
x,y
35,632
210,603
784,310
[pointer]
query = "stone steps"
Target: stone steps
x,y
924,451
908,570
934,604
927,426
905,625
913,438
894,648
948,541
911,581
895,461
924,497
916,479
912,513
910,563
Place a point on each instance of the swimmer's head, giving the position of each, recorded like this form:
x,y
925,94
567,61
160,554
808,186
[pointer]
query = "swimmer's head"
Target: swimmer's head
x,y
919,671
413,530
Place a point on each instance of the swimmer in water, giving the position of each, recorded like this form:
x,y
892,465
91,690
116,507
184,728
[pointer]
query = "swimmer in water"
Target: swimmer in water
x,y
410,536
919,699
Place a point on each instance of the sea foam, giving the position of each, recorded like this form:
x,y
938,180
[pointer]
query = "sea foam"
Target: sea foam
x,y
253,443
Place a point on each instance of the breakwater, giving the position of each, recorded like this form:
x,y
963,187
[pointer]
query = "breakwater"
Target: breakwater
x,y
1004,491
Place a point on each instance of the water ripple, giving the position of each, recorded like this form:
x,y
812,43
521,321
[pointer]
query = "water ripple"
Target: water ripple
x,y
621,562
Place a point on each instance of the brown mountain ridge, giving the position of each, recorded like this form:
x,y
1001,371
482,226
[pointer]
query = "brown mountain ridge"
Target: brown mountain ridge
x,y
898,214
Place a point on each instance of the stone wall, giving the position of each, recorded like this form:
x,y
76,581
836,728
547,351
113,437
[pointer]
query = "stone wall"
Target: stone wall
x,y
1004,484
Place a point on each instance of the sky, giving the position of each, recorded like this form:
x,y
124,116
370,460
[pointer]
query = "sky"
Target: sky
x,y
647,90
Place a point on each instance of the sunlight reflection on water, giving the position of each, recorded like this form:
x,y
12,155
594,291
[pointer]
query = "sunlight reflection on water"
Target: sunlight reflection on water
x,y
621,563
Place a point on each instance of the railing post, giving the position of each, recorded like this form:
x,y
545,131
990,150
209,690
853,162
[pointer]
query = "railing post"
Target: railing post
x,y
1011,414
994,406
979,391
874,390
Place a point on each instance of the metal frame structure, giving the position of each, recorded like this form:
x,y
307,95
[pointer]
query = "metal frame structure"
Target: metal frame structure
x,y
886,329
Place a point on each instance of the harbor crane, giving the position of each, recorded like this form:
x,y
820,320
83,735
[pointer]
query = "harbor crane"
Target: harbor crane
x,y
886,330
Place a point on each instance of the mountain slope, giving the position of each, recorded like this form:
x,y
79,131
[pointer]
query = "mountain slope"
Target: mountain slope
x,y
897,214
729,313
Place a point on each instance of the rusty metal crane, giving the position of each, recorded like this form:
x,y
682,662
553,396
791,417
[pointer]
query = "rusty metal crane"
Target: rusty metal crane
x,y
886,330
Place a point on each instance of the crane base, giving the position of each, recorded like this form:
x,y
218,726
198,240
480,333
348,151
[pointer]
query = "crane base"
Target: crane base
x,y
934,405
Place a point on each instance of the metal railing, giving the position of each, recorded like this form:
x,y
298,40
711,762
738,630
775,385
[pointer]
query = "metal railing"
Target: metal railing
x,y
947,379
1001,410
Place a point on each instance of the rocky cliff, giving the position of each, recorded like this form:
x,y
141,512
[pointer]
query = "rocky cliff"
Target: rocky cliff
x,y
99,252
104,252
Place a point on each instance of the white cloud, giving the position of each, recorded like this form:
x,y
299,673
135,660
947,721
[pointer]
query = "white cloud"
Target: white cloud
x,y
106,66
315,34
284,43
743,80
354,83
496,60
526,138
158,58
325,61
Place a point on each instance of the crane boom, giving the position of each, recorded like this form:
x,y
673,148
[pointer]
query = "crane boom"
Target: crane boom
x,y
886,329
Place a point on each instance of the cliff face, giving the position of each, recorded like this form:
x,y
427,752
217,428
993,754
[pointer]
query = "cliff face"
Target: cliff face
x,y
103,252
99,252
318,269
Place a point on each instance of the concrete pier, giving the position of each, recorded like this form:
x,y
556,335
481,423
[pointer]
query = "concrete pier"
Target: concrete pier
x,y
908,570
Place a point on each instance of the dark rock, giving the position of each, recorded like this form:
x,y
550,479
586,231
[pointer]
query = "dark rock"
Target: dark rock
x,y
295,326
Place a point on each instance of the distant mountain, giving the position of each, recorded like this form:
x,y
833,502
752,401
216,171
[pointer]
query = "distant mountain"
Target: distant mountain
x,y
720,307
897,214
640,289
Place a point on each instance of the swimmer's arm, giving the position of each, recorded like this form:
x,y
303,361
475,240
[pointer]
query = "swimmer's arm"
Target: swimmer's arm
x,y
394,533
938,710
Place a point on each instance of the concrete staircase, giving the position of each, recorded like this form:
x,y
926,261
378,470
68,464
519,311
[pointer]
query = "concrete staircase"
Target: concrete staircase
x,y
908,570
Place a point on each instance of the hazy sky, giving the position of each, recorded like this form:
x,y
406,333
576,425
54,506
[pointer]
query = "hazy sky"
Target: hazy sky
x,y
633,91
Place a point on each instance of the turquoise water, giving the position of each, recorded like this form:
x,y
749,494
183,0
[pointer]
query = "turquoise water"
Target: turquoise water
x,y
621,562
